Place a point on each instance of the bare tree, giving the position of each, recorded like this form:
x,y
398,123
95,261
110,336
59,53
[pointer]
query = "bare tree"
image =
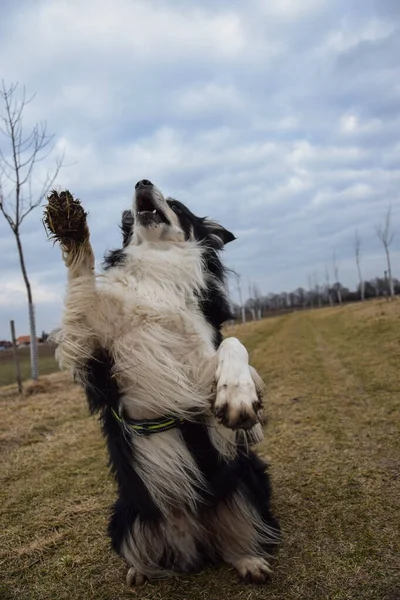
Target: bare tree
x,y
328,286
310,290
301,296
239,290
18,159
357,249
317,288
250,302
335,267
256,294
386,235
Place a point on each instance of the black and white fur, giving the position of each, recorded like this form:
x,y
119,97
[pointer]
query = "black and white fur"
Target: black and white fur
x,y
144,338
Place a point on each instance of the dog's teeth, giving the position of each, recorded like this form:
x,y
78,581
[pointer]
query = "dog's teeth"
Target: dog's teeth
x,y
154,211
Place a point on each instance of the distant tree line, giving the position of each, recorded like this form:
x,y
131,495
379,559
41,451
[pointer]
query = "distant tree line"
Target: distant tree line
x,y
318,293
258,305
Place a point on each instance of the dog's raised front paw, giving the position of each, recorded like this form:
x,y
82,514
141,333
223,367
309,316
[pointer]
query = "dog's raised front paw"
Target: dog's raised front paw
x,y
239,389
237,404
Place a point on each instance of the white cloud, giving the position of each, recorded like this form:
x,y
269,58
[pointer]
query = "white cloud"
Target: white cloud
x,y
13,292
359,191
348,123
353,125
348,36
210,97
312,155
290,9
139,31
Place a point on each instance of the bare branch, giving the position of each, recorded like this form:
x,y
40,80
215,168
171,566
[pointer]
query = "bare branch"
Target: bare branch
x,y
25,152
383,231
4,210
4,162
46,187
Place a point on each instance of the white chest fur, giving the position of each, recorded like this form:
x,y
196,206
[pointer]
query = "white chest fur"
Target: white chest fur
x,y
159,340
164,357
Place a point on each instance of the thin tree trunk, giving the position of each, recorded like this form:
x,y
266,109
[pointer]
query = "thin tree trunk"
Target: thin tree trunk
x,y
34,345
391,288
16,358
32,326
362,290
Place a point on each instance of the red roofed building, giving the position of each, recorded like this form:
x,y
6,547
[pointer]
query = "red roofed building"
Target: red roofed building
x,y
24,340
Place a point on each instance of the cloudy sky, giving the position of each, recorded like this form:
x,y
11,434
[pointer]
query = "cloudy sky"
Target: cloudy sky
x,y
279,118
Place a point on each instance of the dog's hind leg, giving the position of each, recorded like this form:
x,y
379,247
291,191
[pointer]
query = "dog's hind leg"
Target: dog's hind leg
x,y
240,537
239,388
156,550
134,577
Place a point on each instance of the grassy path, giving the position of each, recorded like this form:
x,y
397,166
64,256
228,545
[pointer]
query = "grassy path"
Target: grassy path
x,y
334,444
332,439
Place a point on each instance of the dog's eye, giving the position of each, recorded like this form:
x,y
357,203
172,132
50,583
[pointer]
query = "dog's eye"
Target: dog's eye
x,y
176,209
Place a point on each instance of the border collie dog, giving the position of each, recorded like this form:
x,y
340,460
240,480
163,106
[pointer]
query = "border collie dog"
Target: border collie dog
x,y
178,405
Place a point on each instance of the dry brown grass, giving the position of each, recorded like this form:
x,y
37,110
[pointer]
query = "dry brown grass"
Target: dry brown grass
x,y
47,363
333,441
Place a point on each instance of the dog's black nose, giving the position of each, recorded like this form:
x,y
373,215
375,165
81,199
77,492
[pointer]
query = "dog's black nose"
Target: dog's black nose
x,y
143,183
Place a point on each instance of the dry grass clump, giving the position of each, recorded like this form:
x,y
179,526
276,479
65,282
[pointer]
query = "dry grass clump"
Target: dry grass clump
x,y
41,386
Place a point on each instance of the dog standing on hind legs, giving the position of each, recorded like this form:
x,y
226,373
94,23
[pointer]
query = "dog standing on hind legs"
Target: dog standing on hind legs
x,y
178,405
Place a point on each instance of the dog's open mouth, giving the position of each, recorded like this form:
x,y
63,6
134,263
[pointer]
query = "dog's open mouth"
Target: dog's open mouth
x,y
148,213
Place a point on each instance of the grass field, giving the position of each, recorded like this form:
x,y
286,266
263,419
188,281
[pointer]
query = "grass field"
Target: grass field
x,y
47,363
333,442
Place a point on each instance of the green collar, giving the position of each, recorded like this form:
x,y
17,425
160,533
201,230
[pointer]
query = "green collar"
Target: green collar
x,y
148,426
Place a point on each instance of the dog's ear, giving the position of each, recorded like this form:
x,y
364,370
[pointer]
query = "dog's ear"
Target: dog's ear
x,y
127,223
220,232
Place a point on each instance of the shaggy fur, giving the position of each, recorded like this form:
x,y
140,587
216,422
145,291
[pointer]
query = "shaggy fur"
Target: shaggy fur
x,y
144,338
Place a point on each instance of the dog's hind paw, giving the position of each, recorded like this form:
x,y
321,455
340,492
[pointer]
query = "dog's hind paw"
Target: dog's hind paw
x,y
134,578
253,569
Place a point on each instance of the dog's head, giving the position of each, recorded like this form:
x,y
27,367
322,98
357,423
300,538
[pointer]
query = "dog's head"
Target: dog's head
x,y
155,218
